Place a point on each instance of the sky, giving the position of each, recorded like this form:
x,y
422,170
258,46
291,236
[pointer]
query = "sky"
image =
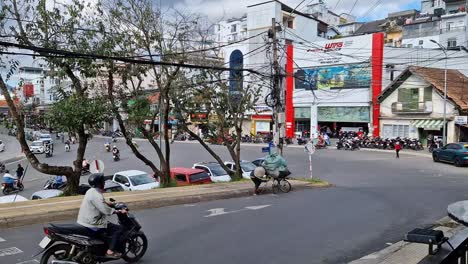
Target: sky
x,y
219,9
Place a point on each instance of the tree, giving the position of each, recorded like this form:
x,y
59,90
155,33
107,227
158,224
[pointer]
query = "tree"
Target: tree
x,y
226,106
150,34
61,27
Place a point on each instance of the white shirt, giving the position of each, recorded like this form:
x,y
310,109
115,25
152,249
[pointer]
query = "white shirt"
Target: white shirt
x,y
8,175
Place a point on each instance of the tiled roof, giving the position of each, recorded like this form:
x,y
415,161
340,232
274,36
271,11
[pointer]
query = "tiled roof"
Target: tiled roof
x,y
370,27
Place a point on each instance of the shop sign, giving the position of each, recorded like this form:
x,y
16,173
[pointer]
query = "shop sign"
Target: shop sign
x,y
343,114
302,112
461,120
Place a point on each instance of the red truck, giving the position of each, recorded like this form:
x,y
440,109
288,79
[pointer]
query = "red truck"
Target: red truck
x,y
189,176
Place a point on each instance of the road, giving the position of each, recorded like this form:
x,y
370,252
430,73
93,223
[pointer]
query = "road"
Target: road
x,y
375,201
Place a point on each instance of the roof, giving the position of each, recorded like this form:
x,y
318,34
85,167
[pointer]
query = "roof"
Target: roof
x,y
153,98
403,13
130,172
457,83
186,170
370,27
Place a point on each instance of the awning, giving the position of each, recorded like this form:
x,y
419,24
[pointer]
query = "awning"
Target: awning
x,y
428,124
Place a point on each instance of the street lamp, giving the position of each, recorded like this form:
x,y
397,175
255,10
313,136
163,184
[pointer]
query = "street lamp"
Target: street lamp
x,y
444,131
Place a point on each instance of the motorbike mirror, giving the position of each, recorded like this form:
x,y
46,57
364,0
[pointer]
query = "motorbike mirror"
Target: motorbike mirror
x,y
127,184
112,200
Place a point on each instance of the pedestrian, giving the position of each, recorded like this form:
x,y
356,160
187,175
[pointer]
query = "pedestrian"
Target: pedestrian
x,y
397,149
19,171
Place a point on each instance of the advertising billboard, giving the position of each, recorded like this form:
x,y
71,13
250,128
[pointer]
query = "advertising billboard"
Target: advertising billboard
x,y
349,76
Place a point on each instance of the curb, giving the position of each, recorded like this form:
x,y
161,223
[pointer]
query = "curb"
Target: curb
x,y
14,159
53,213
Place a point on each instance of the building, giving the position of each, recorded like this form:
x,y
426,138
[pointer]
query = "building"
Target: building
x,y
349,28
412,105
320,11
231,30
431,7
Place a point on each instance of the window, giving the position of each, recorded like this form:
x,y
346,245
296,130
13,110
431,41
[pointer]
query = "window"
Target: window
x,y
181,177
141,179
450,26
409,45
288,21
451,43
121,179
233,28
393,131
421,42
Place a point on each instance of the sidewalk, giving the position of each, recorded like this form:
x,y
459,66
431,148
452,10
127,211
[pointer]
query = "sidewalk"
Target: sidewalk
x,y
12,149
62,208
413,253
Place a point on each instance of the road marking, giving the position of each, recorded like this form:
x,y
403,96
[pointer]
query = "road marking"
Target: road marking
x,y
2,240
388,243
222,211
257,207
10,251
189,205
216,212
33,261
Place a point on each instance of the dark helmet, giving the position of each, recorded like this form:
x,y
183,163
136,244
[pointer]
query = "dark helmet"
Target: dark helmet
x,y
96,180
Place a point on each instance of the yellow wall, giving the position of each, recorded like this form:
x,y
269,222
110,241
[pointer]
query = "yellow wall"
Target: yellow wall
x,y
394,36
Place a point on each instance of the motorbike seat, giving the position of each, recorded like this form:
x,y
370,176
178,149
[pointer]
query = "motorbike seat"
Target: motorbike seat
x,y
72,229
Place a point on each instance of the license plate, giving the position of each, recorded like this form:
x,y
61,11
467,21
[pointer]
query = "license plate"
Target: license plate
x,y
45,242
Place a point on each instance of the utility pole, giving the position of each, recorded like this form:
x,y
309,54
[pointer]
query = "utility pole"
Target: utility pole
x,y
277,94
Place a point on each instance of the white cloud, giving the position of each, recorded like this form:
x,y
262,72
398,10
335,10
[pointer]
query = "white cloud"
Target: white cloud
x,y
217,9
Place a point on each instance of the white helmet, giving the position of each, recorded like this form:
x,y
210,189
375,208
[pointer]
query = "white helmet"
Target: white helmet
x,y
259,172
114,146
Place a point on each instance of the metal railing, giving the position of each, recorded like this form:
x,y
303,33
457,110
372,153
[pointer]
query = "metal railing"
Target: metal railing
x,y
452,29
458,255
412,107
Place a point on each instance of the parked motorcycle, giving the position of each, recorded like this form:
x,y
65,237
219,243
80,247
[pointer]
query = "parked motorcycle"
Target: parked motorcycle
x,y
9,188
74,244
52,184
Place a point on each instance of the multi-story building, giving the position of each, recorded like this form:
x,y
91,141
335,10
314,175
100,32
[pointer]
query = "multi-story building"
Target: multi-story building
x,y
320,11
431,7
231,30
349,29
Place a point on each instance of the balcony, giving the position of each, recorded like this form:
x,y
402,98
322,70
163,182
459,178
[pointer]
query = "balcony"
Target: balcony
x,y
452,29
412,107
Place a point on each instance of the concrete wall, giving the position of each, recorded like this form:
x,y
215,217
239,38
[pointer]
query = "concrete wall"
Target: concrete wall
x,y
426,43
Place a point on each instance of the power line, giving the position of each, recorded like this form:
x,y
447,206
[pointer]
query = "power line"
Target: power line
x,y
352,8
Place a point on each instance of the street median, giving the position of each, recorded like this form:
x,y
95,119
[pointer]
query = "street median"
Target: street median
x,y
64,208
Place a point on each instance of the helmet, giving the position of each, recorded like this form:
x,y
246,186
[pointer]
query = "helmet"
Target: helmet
x,y
96,180
7,171
114,146
259,172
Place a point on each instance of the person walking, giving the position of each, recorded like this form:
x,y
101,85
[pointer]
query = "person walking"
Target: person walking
x,y
19,171
397,149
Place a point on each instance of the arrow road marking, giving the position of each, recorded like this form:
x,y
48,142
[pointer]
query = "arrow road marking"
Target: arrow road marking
x,y
2,240
10,251
222,211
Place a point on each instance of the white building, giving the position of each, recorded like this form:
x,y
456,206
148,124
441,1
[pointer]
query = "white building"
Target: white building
x,y
320,11
231,30
430,6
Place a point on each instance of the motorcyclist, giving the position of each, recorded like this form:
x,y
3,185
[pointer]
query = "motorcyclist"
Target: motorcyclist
x,y
19,171
58,181
115,151
107,145
85,164
94,211
9,179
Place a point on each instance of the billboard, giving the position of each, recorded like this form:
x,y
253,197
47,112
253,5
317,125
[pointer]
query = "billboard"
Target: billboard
x,y
349,76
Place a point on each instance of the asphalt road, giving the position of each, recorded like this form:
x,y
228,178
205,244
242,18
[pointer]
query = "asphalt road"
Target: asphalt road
x,y
376,200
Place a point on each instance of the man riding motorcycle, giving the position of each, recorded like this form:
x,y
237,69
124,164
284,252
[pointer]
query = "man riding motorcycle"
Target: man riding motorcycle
x,y
94,211
10,179
116,152
107,145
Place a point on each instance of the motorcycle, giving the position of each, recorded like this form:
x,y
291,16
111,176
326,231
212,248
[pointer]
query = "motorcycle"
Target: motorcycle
x,y
116,156
2,168
51,184
9,188
114,139
67,148
107,146
74,244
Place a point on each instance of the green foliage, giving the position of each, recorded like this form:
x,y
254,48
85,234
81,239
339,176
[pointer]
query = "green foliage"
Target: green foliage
x,y
138,110
74,111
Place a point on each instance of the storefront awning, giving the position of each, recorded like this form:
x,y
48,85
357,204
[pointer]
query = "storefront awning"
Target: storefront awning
x,y
428,124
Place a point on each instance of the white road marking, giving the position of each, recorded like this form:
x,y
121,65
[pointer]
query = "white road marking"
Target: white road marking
x,y
216,212
221,211
33,261
388,243
10,251
2,240
190,205
257,207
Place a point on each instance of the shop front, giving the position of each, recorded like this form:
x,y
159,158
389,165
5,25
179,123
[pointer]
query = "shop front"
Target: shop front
x,y
261,124
333,119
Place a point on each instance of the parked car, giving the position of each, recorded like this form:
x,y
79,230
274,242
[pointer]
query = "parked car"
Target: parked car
x,y
109,186
13,198
37,147
456,153
258,162
189,176
216,172
46,138
246,166
135,180
2,146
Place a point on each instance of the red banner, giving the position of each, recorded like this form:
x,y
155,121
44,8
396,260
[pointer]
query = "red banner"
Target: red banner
x,y
28,90
377,63
289,91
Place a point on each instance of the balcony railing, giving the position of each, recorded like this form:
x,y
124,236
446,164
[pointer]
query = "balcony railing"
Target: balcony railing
x,y
412,107
452,29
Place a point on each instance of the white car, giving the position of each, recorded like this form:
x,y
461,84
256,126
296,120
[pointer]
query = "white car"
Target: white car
x,y
37,147
246,166
46,194
135,180
2,146
216,172
45,138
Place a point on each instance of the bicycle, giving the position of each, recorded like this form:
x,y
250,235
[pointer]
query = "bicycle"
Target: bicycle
x,y
277,184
